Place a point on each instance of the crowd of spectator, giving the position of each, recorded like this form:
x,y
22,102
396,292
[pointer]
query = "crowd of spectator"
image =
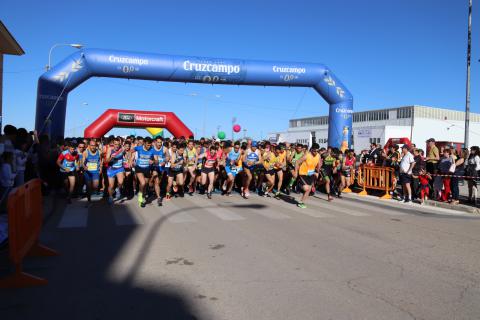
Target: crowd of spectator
x,y
435,174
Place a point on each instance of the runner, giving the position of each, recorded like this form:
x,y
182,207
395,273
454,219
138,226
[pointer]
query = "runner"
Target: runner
x,y
327,172
177,162
191,156
80,181
161,152
348,169
208,169
280,166
92,166
251,160
308,167
144,158
233,165
115,170
296,154
127,165
67,161
270,163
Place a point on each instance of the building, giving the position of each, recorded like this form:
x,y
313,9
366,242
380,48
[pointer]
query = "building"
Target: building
x,y
8,45
418,123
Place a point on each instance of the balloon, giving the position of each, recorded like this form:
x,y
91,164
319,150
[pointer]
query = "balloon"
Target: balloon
x,y
237,128
221,135
155,132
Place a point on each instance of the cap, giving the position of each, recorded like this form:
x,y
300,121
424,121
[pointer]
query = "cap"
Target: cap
x,y
405,146
431,140
254,144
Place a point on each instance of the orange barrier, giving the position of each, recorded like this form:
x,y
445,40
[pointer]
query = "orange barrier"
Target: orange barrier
x,y
25,215
376,178
352,181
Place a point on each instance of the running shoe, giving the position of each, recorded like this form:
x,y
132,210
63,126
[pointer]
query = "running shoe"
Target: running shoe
x,y
246,194
143,204
229,194
168,196
159,202
301,205
140,198
277,194
209,195
266,195
330,198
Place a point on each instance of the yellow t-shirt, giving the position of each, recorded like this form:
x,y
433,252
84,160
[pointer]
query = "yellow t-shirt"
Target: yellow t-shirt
x,y
307,168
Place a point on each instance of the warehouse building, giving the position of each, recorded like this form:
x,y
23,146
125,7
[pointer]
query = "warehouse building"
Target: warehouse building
x,y
417,123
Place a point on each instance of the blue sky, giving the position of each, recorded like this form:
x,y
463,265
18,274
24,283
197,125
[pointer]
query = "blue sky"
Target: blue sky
x,y
388,53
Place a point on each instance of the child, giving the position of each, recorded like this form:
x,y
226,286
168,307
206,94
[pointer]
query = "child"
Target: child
x,y
423,179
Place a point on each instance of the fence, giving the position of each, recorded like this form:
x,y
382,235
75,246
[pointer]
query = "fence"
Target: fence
x,y
376,178
25,215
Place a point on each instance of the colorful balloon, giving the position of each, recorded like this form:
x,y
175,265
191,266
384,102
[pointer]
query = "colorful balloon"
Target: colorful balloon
x,y
237,128
221,135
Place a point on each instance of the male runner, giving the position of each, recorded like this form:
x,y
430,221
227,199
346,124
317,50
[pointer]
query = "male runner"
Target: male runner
x,y
308,167
233,165
92,166
115,169
67,161
144,158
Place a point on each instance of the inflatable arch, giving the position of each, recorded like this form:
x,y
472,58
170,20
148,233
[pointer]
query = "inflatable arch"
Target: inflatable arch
x,y
137,119
55,84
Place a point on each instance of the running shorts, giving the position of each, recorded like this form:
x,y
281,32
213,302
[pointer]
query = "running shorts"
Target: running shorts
x,y
91,176
112,172
145,171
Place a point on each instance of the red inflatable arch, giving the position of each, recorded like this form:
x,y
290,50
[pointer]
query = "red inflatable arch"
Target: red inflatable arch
x,y
137,119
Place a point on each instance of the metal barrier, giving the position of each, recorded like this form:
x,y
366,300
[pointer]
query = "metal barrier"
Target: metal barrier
x,y
24,225
376,178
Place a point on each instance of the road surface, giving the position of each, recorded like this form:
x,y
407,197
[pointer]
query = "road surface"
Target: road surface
x,y
262,258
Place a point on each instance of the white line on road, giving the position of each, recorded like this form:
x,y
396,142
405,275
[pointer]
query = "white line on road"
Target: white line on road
x,y
220,212
75,215
174,213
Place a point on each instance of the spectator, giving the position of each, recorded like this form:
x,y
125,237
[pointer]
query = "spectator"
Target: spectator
x,y
375,154
7,178
459,171
445,168
406,166
21,161
419,166
471,170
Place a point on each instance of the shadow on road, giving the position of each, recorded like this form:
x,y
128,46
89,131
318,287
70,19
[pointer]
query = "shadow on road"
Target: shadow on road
x,y
80,286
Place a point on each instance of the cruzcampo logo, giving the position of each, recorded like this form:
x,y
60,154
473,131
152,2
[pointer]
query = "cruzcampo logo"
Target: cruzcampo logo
x,y
63,75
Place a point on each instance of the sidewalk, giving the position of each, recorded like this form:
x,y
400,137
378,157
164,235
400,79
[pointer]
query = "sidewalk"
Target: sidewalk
x,y
430,207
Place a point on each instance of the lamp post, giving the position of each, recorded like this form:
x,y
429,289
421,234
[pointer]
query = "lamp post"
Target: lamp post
x,y
467,99
194,94
73,45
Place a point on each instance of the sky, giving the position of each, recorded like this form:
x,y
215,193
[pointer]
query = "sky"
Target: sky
x,y
388,53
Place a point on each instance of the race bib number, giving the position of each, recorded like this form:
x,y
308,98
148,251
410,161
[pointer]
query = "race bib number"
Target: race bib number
x,y
310,172
92,166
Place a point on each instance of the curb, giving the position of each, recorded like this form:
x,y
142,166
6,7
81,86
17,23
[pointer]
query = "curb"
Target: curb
x,y
453,209
456,207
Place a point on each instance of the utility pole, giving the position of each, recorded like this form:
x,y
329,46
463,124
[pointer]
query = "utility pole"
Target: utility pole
x,y
467,100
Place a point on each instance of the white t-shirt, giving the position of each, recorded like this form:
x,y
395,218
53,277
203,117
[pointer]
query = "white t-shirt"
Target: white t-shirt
x,y
407,160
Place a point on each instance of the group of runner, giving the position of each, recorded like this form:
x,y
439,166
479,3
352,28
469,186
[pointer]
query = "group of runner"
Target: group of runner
x,y
165,168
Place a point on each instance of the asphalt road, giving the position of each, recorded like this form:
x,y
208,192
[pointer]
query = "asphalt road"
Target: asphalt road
x,y
230,258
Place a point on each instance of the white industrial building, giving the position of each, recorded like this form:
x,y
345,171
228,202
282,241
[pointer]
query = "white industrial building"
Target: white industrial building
x,y
418,123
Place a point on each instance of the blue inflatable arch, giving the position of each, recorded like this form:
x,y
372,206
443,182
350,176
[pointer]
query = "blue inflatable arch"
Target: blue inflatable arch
x,y
55,84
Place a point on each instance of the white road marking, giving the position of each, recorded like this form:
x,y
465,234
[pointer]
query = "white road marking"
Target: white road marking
x,y
75,215
174,213
220,212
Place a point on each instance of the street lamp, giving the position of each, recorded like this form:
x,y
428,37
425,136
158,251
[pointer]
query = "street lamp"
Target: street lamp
x,y
205,98
73,45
